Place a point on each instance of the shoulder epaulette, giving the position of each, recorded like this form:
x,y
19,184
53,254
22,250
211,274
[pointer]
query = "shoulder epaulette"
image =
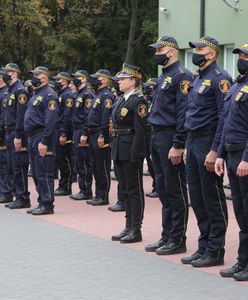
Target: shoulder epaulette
x,y
181,70
217,71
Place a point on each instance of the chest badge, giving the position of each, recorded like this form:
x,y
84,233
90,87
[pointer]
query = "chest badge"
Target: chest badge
x,y
201,89
124,111
238,96
167,80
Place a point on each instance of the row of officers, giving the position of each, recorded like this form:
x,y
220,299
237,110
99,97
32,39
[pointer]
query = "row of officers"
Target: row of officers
x,y
202,117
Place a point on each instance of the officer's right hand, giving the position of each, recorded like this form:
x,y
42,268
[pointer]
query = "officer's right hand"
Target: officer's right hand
x,y
42,149
83,140
219,166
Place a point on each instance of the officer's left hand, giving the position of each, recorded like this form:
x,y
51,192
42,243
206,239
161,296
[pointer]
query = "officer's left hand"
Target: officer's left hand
x,y
242,169
62,140
210,161
100,142
17,144
175,155
42,149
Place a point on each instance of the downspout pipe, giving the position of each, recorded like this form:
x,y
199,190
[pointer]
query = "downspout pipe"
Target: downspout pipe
x,y
202,18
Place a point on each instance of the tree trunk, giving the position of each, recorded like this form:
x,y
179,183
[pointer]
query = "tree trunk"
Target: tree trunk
x,y
132,33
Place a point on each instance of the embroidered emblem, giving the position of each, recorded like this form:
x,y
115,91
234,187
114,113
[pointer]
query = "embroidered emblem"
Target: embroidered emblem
x,y
224,86
69,102
52,105
22,98
184,86
142,110
108,103
88,103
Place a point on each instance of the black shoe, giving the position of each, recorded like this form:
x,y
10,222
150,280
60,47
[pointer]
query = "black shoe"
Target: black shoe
x,y
119,236
153,247
152,195
61,192
171,248
19,204
32,209
6,198
207,261
231,271
43,211
133,236
188,259
242,275
80,196
116,208
99,201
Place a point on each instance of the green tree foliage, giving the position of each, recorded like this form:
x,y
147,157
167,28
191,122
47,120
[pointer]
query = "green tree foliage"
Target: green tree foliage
x,y
74,34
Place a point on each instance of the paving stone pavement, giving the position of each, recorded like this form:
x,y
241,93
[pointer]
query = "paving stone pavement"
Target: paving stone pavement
x,y
41,260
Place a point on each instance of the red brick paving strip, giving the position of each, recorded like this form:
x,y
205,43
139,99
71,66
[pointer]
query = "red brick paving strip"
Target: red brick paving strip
x,y
101,223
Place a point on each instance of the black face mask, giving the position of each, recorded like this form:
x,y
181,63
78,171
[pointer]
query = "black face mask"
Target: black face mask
x,y
242,66
7,78
161,59
76,82
95,83
199,59
58,86
36,82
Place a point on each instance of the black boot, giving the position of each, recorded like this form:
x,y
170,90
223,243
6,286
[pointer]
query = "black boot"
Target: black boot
x,y
134,235
124,232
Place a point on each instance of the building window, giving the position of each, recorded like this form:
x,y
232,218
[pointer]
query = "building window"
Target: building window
x,y
229,60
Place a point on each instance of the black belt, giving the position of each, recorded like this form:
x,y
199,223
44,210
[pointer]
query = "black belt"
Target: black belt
x,y
158,128
93,129
122,131
235,147
10,128
78,126
32,133
197,133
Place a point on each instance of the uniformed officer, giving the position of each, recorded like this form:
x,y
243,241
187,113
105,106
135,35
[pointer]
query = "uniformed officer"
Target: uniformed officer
x,y
16,140
204,122
148,94
234,148
121,190
64,133
98,133
5,182
128,149
82,105
40,123
167,118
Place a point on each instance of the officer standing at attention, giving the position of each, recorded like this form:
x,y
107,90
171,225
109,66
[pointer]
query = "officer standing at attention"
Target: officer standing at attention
x,y
16,140
64,150
204,123
82,105
128,149
40,123
167,117
99,140
234,147
5,187
148,95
